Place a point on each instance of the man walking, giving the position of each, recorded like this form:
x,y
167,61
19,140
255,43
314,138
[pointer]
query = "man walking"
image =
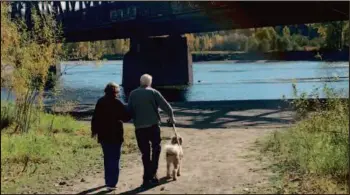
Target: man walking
x,y
143,106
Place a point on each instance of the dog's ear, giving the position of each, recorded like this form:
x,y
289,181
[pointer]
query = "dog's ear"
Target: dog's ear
x,y
173,140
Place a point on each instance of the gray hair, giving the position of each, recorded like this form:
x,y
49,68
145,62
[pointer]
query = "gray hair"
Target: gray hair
x,y
111,87
146,80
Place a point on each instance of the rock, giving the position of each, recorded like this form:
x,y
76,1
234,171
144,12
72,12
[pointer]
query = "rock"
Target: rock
x,y
246,189
162,188
82,180
62,183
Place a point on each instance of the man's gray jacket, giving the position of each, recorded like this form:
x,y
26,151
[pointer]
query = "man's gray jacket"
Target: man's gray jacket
x,y
143,106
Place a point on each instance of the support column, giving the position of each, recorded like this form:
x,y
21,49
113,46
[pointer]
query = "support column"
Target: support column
x,y
167,59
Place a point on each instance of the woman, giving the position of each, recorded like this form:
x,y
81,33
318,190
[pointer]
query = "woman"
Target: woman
x,y
107,124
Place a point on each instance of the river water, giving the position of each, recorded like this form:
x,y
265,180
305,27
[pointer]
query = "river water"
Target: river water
x,y
84,81
213,81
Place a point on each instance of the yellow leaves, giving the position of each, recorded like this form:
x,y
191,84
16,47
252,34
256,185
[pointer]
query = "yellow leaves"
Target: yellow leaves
x,y
30,53
9,37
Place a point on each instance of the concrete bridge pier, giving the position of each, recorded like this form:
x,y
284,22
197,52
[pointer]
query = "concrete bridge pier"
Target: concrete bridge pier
x,y
167,59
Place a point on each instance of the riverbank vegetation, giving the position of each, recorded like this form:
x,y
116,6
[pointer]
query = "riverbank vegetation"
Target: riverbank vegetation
x,y
54,152
39,151
313,156
306,37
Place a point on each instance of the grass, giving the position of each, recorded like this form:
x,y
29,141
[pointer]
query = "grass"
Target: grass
x,y
51,152
313,155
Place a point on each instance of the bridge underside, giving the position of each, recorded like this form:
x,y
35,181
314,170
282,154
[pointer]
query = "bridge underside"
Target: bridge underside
x,y
236,15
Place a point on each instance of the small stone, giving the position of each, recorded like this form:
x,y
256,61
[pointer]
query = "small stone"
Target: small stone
x,y
246,189
62,183
82,180
162,188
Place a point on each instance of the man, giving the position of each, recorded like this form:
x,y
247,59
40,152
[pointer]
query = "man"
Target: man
x,y
143,106
107,124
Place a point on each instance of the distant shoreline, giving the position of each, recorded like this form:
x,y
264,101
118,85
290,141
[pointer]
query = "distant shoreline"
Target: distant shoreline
x,y
330,56
242,57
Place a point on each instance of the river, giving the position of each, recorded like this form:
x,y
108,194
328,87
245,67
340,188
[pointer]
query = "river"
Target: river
x,y
84,82
228,80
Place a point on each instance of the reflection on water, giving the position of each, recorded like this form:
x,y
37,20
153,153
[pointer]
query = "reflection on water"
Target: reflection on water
x,y
212,80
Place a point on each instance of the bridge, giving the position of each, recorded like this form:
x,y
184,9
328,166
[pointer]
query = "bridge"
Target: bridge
x,y
167,58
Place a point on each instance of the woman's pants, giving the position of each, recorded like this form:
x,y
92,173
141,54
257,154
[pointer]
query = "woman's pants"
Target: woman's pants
x,y
111,157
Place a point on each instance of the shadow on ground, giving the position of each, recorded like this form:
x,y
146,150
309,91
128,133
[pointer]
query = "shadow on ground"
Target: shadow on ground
x,y
93,190
162,181
232,114
96,190
219,114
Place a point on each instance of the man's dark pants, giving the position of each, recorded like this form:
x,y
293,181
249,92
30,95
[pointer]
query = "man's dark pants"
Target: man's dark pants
x,y
111,156
144,137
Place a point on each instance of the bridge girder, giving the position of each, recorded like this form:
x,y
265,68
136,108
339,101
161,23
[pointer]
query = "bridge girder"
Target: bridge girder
x,y
96,20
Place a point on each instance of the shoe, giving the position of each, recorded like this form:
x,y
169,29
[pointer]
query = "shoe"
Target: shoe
x,y
109,188
154,180
146,184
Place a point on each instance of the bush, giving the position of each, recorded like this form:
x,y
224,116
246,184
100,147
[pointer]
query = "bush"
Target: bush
x,y
252,45
283,44
264,46
315,152
29,53
7,115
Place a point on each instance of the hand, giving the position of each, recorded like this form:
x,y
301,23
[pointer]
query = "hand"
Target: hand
x,y
172,120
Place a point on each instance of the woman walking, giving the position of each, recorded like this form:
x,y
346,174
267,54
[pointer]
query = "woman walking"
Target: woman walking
x,y
107,125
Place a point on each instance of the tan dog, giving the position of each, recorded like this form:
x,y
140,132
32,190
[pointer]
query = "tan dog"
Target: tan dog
x,y
174,155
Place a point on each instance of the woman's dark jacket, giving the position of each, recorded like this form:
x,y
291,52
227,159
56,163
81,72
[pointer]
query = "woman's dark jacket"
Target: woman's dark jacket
x,y
107,120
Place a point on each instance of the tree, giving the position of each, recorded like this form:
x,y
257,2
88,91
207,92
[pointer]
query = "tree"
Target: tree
x,y
283,44
286,32
267,38
29,53
346,34
264,45
253,44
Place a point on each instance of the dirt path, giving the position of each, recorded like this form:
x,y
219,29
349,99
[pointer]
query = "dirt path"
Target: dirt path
x,y
215,161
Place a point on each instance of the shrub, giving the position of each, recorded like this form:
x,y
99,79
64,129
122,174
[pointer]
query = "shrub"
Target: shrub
x,y
316,149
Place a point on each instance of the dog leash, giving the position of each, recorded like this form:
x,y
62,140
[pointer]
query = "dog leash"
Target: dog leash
x,y
177,137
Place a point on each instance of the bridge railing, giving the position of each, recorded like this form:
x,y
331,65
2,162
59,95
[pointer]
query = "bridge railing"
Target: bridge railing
x,y
80,14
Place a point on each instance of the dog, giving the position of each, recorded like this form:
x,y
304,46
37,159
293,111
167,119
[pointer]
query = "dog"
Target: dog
x,y
174,155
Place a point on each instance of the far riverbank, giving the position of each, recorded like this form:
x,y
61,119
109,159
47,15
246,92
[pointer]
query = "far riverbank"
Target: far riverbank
x,y
319,55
